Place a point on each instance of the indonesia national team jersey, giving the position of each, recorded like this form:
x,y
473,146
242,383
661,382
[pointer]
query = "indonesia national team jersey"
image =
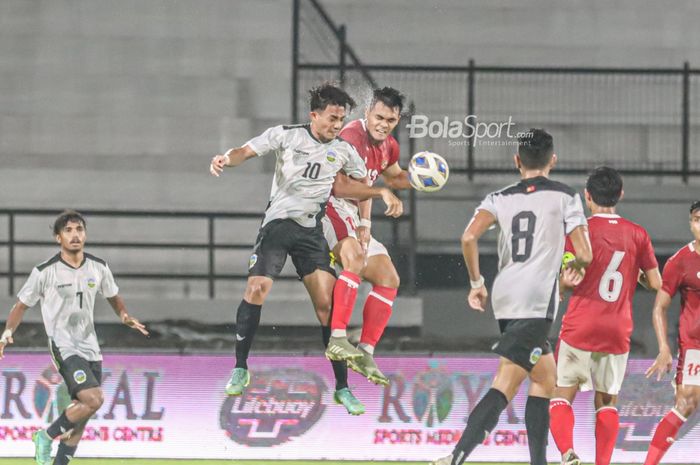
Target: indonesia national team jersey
x,y
599,316
377,157
67,297
305,171
534,216
682,272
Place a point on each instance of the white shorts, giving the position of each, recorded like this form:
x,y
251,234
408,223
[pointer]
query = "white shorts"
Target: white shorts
x,y
590,370
688,367
341,222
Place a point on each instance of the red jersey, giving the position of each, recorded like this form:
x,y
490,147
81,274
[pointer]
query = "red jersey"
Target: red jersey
x,y
599,316
682,272
377,157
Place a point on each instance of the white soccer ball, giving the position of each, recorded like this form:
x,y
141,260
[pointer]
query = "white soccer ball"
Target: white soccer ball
x,y
428,172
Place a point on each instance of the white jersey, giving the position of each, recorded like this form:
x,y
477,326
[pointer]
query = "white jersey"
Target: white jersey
x,y
534,217
67,297
305,171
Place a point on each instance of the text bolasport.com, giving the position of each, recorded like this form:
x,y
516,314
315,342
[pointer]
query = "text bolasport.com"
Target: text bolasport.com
x,y
466,131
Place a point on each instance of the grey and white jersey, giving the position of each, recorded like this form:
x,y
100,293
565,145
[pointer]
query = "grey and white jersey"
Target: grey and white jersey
x,y
534,217
305,171
67,297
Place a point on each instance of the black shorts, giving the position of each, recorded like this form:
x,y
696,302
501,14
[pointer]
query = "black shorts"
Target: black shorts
x,y
524,341
279,238
78,373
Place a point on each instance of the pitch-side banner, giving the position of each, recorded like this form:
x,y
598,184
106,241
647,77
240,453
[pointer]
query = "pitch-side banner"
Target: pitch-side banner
x,y
174,406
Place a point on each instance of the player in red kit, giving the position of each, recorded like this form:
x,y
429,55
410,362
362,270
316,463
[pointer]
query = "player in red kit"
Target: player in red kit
x,y
681,273
594,342
347,227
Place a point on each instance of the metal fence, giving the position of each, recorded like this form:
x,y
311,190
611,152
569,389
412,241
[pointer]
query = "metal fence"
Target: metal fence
x,y
641,121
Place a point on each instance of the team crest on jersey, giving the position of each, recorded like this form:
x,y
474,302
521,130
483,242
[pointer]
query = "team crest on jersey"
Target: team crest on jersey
x,y
331,156
535,355
252,261
698,275
79,376
384,163
91,283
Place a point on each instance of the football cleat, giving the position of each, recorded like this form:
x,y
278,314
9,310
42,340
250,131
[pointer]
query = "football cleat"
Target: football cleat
x,y
570,458
367,367
340,349
42,447
347,399
447,460
240,379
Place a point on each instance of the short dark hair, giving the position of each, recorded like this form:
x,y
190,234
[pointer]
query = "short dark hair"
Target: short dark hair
x,y
389,96
695,205
535,148
68,216
604,184
328,94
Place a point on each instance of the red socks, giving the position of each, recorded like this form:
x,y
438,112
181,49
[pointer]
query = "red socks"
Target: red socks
x,y
607,424
561,424
344,296
376,314
664,436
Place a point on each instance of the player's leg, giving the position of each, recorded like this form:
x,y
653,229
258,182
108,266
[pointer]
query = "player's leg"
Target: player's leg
x,y
608,374
515,348
573,373
542,383
265,264
379,271
84,388
311,257
339,230
319,285
687,399
69,444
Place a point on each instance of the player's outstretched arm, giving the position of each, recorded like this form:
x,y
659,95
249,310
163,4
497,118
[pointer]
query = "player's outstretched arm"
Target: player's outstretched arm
x,y
479,224
13,321
582,247
345,187
232,157
396,178
119,308
664,361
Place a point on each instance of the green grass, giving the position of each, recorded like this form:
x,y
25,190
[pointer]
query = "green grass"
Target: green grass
x,y
79,461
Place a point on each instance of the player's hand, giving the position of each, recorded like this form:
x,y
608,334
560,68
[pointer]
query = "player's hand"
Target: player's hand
x,y
363,236
6,340
217,164
394,206
571,277
662,365
477,298
134,323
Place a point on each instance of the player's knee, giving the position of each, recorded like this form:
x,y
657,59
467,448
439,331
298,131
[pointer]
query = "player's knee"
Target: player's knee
x,y
94,400
686,405
323,309
255,292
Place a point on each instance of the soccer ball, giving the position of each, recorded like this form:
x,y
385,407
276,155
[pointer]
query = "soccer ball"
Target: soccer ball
x,y
428,172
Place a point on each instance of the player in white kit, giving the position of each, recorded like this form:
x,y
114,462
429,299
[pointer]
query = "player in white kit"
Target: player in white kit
x,y
534,217
66,286
308,158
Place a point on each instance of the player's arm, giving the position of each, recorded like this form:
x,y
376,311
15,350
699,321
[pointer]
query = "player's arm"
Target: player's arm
x,y
13,321
232,157
650,279
479,224
345,187
664,361
396,178
365,227
582,247
119,307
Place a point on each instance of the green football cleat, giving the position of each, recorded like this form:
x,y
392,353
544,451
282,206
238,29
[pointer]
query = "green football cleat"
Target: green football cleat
x,y
240,378
348,400
340,349
42,447
570,458
367,367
